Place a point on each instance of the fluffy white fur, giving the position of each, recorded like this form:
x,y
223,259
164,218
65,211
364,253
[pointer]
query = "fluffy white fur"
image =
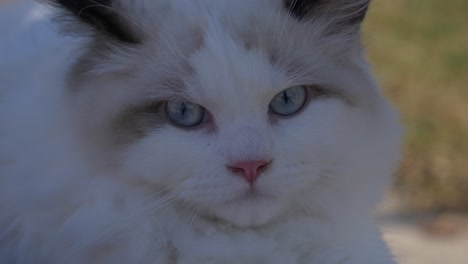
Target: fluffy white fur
x,y
69,195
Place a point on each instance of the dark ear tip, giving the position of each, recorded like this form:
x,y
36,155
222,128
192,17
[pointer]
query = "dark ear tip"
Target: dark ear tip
x,y
349,11
101,15
299,8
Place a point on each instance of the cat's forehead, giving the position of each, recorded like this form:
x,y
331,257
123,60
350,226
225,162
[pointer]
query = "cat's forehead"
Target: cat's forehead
x,y
219,53
206,8
232,49
228,74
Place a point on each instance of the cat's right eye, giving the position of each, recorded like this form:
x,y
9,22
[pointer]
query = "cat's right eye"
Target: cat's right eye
x,y
185,114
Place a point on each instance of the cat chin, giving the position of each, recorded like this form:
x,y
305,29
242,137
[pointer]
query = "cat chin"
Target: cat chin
x,y
249,211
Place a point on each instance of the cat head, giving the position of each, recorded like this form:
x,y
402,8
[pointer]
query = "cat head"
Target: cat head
x,y
244,110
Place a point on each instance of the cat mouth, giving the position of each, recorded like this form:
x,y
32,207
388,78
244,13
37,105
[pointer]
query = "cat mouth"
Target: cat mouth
x,y
251,194
242,203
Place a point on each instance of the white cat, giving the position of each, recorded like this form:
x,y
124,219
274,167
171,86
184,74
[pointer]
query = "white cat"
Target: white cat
x,y
191,131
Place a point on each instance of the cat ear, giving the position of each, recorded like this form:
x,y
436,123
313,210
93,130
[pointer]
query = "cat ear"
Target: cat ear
x,y
340,13
103,17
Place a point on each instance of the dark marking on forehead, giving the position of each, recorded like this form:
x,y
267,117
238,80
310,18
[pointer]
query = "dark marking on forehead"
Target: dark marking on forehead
x,y
97,53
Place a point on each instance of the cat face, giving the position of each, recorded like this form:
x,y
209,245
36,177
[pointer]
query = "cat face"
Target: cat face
x,y
245,111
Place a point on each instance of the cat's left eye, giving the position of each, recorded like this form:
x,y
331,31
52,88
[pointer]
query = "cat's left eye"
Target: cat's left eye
x,y
289,101
185,114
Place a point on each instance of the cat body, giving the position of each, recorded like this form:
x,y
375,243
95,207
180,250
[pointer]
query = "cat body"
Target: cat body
x,y
96,166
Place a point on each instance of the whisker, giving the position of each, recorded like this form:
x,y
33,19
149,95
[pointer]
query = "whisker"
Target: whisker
x,y
120,223
160,192
192,218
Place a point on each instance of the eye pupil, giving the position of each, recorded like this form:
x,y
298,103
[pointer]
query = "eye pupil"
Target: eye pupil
x,y
182,109
286,97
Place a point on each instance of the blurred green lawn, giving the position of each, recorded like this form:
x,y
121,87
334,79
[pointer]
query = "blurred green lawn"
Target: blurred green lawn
x,y
420,51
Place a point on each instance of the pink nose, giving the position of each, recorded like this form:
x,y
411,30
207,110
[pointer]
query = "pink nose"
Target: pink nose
x,y
250,169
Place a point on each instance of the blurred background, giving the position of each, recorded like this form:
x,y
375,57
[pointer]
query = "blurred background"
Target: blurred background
x,y
420,52
419,49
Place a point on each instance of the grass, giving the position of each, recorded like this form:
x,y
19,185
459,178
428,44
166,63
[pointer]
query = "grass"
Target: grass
x,y
420,52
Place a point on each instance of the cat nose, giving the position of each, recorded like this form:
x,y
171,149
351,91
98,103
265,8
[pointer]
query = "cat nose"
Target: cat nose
x,y
250,169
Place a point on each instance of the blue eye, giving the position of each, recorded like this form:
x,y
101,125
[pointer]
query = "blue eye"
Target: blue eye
x,y
289,101
185,114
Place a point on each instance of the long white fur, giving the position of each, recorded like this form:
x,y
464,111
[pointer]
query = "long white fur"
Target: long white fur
x,y
67,197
